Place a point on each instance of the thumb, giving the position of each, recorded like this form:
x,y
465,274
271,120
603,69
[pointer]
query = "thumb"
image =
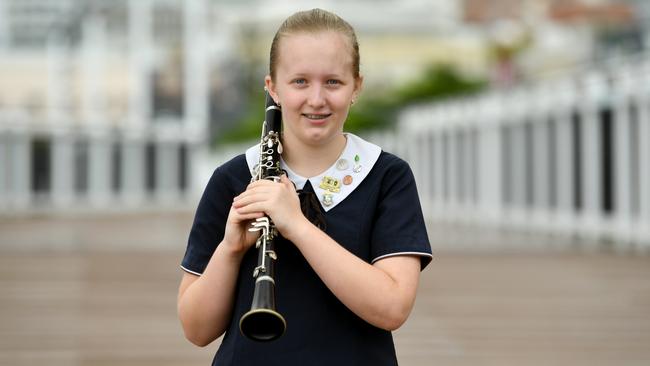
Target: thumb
x,y
287,182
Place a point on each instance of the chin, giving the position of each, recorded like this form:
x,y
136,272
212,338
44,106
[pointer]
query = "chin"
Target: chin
x,y
321,138
315,140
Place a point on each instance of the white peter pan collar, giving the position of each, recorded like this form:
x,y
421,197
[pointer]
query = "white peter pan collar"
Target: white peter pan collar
x,y
367,154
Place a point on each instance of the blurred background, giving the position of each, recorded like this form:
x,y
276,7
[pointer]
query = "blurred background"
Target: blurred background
x,y
526,123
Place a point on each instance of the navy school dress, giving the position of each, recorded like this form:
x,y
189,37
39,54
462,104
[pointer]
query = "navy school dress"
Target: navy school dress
x,y
374,214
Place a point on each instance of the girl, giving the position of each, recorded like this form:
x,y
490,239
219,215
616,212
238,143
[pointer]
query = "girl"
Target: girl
x,y
344,279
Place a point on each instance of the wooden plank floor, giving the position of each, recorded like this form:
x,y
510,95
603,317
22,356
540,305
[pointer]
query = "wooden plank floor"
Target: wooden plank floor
x,y
119,309
530,309
100,307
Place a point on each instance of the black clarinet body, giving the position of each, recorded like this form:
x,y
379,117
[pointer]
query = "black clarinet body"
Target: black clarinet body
x,y
262,322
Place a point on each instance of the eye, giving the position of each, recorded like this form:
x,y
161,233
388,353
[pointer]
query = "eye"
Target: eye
x,y
333,82
300,81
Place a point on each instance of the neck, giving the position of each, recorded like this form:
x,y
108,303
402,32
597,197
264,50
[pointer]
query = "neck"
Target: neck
x,y
308,160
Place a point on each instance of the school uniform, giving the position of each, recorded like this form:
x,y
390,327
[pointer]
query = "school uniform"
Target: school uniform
x,y
370,206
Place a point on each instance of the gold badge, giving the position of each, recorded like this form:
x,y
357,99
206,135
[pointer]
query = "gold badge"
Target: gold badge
x,y
330,184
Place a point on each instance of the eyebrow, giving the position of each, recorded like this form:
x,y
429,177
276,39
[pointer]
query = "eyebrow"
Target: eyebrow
x,y
326,76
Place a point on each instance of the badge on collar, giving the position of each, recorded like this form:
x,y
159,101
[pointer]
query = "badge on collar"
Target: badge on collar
x,y
330,184
328,199
357,164
342,164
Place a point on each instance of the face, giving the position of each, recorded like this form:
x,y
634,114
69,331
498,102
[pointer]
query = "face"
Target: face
x,y
315,85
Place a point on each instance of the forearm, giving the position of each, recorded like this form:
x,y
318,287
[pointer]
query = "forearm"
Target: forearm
x,y
205,306
372,293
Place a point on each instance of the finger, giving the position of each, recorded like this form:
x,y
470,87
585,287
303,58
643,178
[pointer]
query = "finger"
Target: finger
x,y
251,208
287,182
251,191
251,216
260,183
246,214
249,198
238,217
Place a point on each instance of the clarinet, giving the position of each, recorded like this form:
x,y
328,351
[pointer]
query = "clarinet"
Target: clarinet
x,y
262,322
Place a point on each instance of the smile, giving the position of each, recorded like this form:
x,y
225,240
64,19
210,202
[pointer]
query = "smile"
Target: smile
x,y
316,116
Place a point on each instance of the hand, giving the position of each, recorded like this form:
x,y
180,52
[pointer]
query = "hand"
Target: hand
x,y
237,237
278,200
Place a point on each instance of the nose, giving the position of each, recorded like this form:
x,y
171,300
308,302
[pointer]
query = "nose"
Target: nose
x,y
316,98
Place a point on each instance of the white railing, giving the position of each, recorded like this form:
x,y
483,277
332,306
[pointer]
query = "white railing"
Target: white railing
x,y
569,157
67,169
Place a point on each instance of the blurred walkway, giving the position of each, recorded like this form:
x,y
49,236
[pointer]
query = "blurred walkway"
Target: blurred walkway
x,y
93,305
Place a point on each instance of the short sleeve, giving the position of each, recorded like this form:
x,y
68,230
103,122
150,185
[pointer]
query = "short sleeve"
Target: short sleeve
x,y
399,227
209,223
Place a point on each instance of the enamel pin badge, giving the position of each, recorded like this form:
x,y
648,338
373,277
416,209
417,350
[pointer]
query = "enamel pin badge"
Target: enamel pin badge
x,y
328,199
330,184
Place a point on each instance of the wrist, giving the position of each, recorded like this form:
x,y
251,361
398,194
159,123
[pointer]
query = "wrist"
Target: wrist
x,y
299,229
233,253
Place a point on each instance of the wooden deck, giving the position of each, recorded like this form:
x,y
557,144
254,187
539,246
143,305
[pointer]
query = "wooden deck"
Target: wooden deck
x,y
118,307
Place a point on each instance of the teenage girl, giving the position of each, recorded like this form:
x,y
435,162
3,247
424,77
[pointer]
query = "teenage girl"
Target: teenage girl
x,y
345,280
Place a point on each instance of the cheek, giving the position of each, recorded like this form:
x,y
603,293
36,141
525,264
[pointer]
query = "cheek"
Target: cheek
x,y
342,102
290,101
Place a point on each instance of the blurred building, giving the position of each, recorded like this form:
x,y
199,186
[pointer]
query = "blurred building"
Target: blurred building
x,y
536,38
113,104
102,104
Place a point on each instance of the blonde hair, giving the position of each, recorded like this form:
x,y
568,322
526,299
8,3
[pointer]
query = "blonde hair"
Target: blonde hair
x,y
314,21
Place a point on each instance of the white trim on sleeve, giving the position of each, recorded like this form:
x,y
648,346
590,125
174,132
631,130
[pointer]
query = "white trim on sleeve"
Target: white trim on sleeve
x,y
419,254
191,272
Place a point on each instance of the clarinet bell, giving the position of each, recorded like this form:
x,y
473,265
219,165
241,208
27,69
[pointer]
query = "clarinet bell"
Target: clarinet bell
x,y
262,323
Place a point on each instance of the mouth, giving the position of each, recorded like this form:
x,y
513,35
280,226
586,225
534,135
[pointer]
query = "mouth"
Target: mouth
x,y
316,116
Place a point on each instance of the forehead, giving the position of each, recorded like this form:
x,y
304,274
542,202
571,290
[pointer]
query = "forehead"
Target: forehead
x,y
311,52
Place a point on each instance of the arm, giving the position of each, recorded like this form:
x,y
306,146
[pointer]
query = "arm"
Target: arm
x,y
382,294
205,303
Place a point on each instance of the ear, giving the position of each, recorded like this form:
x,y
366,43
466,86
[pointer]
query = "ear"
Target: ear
x,y
270,86
358,85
